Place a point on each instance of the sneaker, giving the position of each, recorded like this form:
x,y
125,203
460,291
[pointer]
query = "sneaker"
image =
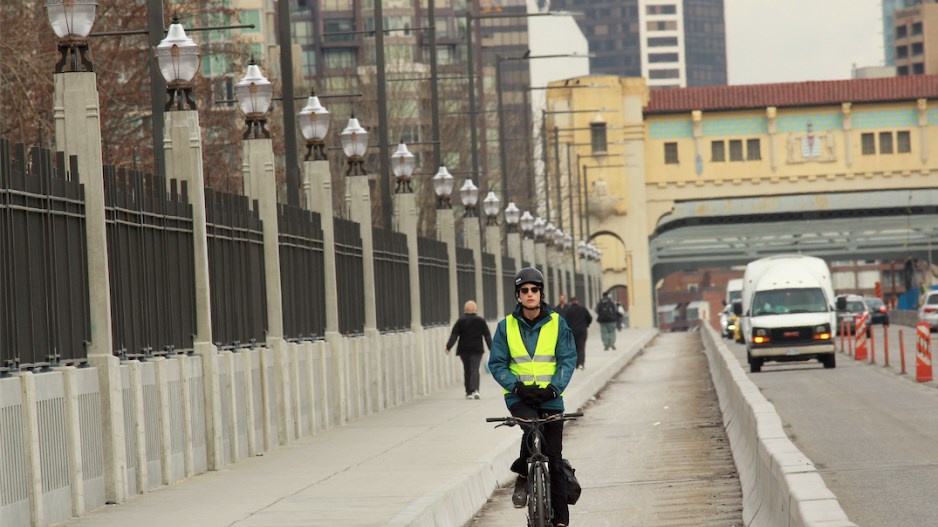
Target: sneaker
x,y
475,395
613,346
580,367
468,396
519,497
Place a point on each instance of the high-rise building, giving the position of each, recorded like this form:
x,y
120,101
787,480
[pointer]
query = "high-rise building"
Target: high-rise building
x,y
889,16
672,43
915,34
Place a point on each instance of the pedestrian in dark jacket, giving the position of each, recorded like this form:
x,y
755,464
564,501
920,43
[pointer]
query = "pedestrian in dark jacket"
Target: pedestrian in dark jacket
x,y
471,330
608,316
579,319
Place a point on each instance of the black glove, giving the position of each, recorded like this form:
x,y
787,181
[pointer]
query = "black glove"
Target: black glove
x,y
528,393
547,393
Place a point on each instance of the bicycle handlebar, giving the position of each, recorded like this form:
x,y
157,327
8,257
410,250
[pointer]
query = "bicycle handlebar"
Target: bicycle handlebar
x,y
559,417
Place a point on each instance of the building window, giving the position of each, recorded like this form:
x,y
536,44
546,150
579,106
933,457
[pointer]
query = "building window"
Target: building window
x,y
868,144
340,58
902,52
662,57
736,150
885,142
902,31
717,152
657,42
903,142
670,154
917,28
918,68
753,149
693,288
251,16
598,137
342,26
664,74
917,48
663,25
661,10
902,71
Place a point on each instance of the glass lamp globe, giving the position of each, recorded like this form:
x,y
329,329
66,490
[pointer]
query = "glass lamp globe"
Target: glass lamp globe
x,y
469,194
512,214
491,205
539,227
558,238
403,162
567,242
354,139
443,183
177,55
549,233
254,92
527,222
313,119
71,18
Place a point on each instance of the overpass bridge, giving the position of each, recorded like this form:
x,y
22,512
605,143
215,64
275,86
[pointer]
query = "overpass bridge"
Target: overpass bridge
x,y
677,179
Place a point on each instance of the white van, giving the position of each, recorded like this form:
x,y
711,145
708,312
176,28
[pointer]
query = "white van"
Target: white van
x,y
734,291
787,311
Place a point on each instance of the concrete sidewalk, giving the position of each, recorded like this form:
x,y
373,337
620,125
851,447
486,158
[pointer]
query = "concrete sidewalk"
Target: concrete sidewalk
x,y
430,462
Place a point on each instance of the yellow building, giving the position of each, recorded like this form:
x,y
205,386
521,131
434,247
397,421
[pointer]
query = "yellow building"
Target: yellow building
x,y
669,146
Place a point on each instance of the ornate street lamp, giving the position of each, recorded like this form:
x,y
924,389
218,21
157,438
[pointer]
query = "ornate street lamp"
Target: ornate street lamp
x,y
527,224
581,249
178,59
557,239
491,207
443,187
539,227
254,93
512,216
355,144
71,20
567,242
549,233
469,194
314,124
403,164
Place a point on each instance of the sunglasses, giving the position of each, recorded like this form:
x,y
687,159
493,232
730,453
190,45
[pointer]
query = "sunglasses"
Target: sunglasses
x,y
524,290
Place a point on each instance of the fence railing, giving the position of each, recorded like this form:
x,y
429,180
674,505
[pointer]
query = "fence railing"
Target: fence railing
x,y
434,282
236,270
491,309
580,287
150,262
392,280
302,273
465,275
508,278
44,307
349,270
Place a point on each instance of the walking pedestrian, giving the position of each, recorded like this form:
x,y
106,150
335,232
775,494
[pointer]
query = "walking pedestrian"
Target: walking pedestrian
x,y
579,319
533,358
561,306
607,315
470,330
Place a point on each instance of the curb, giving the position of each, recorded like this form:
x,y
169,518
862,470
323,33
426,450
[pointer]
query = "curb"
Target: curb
x,y
781,486
459,501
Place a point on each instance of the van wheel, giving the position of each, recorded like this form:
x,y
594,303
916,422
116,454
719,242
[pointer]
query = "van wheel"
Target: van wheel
x,y
755,363
829,361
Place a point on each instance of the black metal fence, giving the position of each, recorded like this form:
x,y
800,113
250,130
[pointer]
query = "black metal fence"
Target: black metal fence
x,y
580,289
150,262
434,282
43,253
350,276
465,274
392,280
508,278
302,273
236,270
490,288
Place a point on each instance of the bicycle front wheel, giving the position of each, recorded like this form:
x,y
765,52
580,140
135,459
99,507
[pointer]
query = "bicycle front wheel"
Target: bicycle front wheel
x,y
538,496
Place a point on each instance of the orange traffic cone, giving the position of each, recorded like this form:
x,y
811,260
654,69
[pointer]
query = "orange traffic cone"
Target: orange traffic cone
x,y
923,370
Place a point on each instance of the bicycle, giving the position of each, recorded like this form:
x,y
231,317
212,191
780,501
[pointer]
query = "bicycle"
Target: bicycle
x,y
540,511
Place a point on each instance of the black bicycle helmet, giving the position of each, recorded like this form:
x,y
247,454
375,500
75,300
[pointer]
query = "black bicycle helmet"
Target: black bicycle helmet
x,y
528,275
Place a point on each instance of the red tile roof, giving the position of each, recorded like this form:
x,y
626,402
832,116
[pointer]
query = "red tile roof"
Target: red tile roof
x,y
811,93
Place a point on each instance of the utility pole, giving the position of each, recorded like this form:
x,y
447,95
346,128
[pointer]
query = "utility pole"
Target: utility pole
x,y
384,171
289,103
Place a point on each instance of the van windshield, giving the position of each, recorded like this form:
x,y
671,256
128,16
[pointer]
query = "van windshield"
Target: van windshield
x,y
782,301
735,295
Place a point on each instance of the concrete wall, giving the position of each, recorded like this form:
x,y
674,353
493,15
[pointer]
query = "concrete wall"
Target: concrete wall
x,y
51,461
780,484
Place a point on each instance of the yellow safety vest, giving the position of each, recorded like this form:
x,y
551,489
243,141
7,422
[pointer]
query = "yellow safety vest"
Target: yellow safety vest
x,y
540,368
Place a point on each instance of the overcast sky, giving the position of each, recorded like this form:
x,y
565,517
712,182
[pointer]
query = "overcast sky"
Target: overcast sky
x,y
798,40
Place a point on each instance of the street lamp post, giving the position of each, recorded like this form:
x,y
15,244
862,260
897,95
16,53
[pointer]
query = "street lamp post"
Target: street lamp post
x,y
443,188
491,205
254,93
178,59
355,144
527,239
71,20
403,164
469,195
314,124
513,237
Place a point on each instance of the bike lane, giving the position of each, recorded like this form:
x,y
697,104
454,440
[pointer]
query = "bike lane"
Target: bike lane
x,y
651,450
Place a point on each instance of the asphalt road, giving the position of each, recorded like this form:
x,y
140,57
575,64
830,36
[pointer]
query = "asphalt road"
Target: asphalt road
x,y
651,450
871,431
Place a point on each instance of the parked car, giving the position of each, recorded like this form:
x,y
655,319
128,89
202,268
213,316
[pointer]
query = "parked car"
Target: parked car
x,y
855,306
929,310
878,312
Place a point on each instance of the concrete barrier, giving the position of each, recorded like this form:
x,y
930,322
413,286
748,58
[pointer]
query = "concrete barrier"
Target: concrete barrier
x,y
903,317
781,486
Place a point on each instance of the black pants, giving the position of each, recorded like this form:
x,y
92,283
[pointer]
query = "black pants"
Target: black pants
x,y
580,340
470,366
553,449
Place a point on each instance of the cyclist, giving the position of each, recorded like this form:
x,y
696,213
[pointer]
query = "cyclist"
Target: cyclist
x,y
533,357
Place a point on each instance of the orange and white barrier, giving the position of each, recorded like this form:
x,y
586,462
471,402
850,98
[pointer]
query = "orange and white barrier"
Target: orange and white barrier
x,y
923,369
861,323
